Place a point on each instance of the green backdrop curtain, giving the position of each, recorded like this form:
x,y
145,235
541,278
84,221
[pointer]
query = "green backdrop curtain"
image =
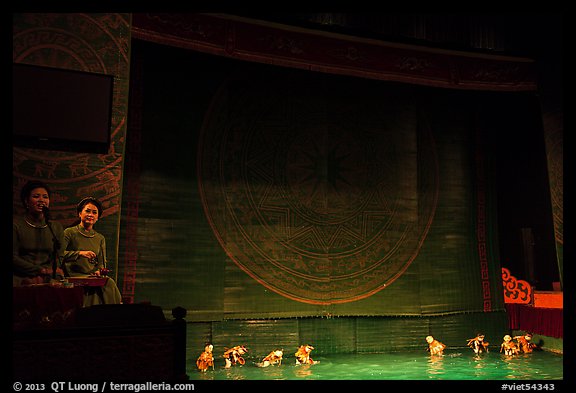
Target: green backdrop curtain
x,y
267,192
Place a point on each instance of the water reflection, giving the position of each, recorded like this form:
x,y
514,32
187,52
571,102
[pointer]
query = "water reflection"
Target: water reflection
x,y
405,366
514,367
480,362
524,366
274,372
235,372
435,366
303,370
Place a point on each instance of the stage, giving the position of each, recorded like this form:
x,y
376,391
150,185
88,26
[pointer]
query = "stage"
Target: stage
x,y
456,364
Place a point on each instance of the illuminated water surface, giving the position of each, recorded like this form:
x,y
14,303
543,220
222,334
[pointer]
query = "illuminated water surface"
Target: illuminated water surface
x,y
455,365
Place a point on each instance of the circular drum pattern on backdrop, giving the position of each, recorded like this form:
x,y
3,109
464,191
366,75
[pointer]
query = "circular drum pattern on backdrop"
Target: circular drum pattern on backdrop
x,y
319,194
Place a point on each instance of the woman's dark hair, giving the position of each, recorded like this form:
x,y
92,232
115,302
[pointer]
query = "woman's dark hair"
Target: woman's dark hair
x,y
88,200
28,187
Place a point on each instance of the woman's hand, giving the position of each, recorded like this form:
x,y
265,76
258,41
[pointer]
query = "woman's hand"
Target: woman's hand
x,y
45,271
87,254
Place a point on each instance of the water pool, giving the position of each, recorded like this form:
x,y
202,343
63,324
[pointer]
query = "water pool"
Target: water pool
x,y
456,365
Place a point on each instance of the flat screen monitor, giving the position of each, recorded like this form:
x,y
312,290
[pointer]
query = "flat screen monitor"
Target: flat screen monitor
x,y
60,109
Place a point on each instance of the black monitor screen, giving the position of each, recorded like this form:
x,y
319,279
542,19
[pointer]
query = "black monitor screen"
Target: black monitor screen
x,y
61,109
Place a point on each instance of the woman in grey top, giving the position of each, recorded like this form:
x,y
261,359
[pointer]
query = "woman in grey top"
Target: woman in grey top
x,y
85,253
36,242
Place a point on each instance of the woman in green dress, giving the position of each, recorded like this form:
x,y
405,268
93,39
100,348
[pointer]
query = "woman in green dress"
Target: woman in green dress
x,y
85,253
36,242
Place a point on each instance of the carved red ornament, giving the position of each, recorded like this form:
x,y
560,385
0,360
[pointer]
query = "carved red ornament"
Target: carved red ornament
x,y
515,291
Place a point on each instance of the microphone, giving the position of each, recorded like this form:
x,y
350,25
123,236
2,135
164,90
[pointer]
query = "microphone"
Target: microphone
x,y
46,212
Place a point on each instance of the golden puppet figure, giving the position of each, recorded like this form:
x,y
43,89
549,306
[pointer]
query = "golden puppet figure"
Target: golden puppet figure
x,y
274,357
509,347
303,355
206,358
434,346
234,355
478,344
525,343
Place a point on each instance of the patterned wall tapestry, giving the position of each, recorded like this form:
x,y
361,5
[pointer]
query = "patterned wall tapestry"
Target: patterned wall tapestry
x,y
268,192
96,43
317,189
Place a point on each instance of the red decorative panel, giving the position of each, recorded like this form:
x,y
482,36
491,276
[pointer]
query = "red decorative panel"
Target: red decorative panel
x,y
515,291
